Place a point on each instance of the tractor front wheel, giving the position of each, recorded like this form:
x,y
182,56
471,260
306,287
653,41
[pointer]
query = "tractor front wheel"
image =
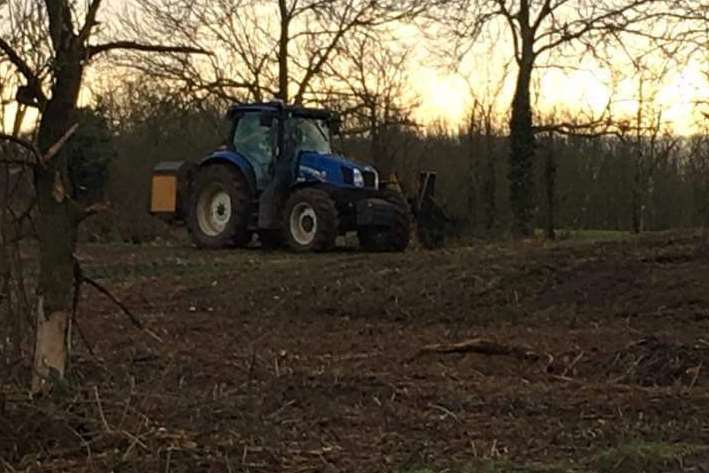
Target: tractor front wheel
x,y
219,208
310,220
397,235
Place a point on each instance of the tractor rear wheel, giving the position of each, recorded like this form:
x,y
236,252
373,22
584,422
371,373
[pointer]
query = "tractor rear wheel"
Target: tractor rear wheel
x,y
310,220
219,208
395,237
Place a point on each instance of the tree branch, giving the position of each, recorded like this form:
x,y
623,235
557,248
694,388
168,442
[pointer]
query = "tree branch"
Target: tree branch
x,y
89,22
581,130
23,143
56,147
545,11
510,19
24,69
32,148
94,50
131,316
612,20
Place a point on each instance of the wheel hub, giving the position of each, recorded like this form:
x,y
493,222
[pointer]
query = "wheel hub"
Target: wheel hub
x,y
214,210
303,224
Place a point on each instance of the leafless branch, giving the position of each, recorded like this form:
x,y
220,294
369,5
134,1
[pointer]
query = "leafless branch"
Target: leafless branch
x,y
131,316
24,69
89,22
29,146
95,50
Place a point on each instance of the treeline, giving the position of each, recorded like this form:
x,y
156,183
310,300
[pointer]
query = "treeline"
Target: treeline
x,y
633,182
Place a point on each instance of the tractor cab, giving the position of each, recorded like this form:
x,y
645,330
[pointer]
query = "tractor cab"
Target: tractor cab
x,y
265,135
278,177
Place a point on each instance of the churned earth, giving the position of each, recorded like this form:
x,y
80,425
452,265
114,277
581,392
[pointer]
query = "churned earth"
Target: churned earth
x,y
525,357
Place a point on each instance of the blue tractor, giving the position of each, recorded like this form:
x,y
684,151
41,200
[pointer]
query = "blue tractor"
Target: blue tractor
x,y
277,177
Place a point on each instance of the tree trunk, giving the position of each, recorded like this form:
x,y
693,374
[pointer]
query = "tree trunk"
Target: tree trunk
x,y
283,51
522,151
377,151
490,185
474,147
58,220
636,199
550,182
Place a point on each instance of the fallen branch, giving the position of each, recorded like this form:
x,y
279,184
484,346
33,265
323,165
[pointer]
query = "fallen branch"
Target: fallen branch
x,y
481,346
135,320
106,427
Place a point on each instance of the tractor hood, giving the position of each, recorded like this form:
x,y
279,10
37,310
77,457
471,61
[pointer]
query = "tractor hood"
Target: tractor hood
x,y
336,170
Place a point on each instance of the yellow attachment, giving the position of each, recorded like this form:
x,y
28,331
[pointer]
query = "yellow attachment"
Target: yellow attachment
x,y
164,194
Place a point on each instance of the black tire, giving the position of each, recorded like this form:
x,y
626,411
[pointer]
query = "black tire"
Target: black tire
x,y
394,238
219,188
310,220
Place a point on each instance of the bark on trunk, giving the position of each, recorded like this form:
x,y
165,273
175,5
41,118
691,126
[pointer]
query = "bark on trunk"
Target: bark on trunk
x,y
57,228
522,151
283,52
52,342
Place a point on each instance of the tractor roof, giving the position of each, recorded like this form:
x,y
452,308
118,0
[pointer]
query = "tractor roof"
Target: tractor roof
x,y
276,106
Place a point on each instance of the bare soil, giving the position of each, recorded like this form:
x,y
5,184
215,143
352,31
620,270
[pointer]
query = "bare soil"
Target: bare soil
x,y
275,362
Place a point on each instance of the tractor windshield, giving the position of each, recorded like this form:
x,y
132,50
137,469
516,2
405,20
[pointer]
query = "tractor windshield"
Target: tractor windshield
x,y
311,134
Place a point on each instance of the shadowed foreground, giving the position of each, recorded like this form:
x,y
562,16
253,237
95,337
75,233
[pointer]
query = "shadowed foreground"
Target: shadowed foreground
x,y
284,363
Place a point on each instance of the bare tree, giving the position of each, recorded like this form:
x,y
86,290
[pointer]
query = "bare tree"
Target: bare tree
x,y
64,32
538,29
262,48
368,83
483,126
15,222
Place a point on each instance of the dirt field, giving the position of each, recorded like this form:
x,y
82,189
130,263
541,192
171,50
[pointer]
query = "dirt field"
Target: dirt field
x,y
274,362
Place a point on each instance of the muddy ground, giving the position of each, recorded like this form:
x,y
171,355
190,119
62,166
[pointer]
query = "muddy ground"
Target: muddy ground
x,y
274,362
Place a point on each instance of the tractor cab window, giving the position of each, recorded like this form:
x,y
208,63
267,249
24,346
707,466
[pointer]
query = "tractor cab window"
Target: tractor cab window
x,y
311,135
254,141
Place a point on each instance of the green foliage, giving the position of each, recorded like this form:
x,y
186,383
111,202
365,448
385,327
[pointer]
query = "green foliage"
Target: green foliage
x,y
587,235
508,466
91,151
643,457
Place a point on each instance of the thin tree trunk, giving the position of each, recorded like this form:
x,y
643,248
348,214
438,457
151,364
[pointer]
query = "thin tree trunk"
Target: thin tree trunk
x,y
636,200
490,186
550,181
474,146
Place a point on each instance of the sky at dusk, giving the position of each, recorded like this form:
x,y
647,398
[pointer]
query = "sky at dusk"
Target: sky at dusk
x,y
444,91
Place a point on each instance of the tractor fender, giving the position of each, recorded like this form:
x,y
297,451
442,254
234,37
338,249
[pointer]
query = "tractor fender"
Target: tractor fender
x,y
235,159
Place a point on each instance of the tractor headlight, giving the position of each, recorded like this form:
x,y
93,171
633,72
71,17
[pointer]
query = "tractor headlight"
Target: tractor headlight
x,y
358,178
